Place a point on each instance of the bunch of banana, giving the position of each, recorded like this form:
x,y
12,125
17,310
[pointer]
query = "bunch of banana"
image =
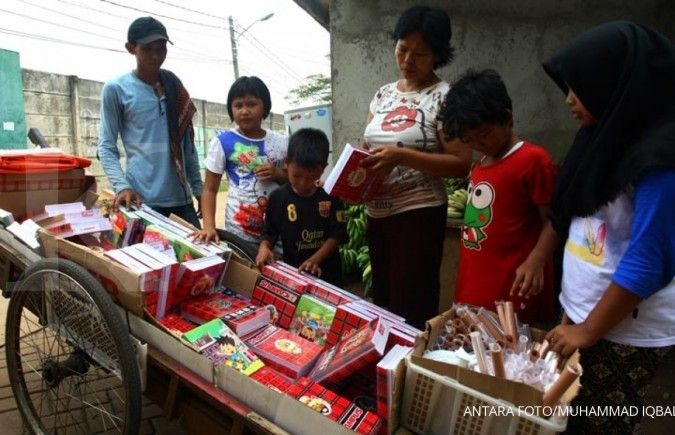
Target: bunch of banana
x,y
456,203
349,262
356,229
355,259
452,184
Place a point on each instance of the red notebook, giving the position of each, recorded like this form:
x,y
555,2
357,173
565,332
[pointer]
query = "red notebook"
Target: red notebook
x,y
386,378
198,276
157,261
347,320
287,353
289,278
272,379
349,180
240,315
283,299
352,353
335,407
176,325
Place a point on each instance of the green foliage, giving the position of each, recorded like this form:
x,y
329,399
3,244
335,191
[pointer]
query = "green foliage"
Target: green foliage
x,y
354,254
316,88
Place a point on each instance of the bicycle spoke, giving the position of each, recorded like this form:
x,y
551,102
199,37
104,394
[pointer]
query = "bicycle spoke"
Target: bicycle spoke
x,y
68,373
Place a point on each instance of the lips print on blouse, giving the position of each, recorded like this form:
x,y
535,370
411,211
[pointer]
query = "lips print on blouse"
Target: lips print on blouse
x,y
399,119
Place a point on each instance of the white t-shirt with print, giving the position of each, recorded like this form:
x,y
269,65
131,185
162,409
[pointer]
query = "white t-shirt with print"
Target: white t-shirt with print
x,y
238,156
406,119
594,248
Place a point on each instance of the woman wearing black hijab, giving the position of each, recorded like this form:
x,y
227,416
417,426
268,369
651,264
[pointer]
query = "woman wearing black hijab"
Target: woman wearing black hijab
x,y
615,205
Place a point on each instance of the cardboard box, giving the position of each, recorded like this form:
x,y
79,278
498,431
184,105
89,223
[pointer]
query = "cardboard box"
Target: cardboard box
x,y
241,276
121,283
281,409
21,193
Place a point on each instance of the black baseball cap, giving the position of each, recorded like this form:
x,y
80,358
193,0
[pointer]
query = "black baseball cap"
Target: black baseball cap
x,y
145,30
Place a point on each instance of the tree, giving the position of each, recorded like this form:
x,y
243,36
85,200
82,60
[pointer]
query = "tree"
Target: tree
x,y
315,88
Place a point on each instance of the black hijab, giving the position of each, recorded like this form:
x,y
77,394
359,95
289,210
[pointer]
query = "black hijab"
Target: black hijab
x,y
624,74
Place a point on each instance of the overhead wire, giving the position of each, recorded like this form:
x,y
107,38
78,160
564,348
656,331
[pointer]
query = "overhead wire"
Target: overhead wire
x,y
190,10
261,48
97,47
163,16
276,61
100,11
187,51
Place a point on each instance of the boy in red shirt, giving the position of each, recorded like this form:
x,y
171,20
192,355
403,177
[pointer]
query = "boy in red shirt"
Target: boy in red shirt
x,y
510,188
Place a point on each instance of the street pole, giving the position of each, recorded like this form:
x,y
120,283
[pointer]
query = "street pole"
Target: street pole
x,y
233,39
233,42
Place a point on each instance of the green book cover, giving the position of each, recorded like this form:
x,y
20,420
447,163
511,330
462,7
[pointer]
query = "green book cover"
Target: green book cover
x,y
312,319
222,346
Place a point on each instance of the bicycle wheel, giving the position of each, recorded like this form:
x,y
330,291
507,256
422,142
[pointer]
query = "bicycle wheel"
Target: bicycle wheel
x,y
246,250
70,362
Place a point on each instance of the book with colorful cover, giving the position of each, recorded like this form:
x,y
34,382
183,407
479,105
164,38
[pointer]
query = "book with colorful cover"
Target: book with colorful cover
x,y
154,237
387,371
351,181
126,230
270,293
178,232
206,307
237,311
222,346
156,262
198,276
352,353
312,319
335,407
285,352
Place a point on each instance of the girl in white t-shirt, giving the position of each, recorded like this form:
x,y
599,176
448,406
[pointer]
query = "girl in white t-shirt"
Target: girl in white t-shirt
x,y
613,203
251,157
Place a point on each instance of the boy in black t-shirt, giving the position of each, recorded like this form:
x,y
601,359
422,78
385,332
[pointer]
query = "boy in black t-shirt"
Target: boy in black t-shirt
x,y
310,222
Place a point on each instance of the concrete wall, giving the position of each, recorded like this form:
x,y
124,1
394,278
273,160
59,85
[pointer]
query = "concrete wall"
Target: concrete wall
x,y
513,37
66,110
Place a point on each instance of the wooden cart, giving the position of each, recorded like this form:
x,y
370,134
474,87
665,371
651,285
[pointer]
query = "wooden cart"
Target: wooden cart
x,y
73,366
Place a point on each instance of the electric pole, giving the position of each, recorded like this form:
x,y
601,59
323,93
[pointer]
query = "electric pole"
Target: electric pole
x,y
233,42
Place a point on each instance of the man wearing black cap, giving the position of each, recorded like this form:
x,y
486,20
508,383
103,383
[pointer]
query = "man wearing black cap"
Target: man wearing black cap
x,y
152,112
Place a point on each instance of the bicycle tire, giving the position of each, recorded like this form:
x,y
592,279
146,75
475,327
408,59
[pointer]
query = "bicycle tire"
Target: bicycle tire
x,y
59,310
243,248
